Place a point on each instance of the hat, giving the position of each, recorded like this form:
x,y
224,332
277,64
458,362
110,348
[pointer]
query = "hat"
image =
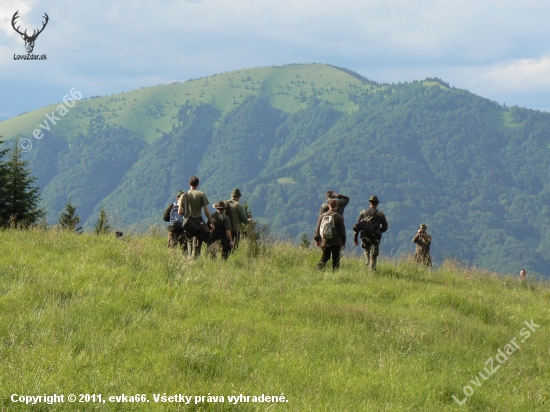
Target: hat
x,y
374,199
236,193
220,205
181,192
423,226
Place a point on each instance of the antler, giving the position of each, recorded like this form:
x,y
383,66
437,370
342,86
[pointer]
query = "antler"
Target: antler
x,y
44,25
15,16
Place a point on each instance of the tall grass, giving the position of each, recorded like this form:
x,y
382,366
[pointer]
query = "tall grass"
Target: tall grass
x,y
99,315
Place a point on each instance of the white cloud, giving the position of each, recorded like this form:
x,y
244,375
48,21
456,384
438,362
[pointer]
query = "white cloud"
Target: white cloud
x,y
524,75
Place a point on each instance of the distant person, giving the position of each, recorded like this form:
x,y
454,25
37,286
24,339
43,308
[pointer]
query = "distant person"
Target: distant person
x,y
191,205
176,234
371,223
330,235
522,275
341,199
423,241
237,215
221,235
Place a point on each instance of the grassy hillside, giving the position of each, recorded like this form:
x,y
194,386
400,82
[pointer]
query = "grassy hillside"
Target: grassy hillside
x,y
96,315
150,111
477,173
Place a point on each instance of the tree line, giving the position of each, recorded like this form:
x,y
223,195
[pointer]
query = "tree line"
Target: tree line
x,y
20,198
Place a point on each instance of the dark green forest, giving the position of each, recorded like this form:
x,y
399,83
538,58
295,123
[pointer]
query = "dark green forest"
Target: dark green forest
x,y
477,173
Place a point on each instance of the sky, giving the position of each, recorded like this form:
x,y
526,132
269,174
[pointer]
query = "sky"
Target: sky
x,y
495,49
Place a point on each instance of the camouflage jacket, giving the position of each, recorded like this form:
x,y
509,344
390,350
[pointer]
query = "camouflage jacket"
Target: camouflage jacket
x,y
423,242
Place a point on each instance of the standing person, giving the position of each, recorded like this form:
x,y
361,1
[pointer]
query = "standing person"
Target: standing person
x,y
330,235
423,241
522,275
238,215
222,230
341,199
371,223
176,234
191,205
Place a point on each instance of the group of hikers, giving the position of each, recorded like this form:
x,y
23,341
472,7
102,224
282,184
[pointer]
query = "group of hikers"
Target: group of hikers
x,y
330,234
221,232
224,228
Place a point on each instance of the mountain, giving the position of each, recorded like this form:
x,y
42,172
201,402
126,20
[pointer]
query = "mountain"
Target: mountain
x,y
477,173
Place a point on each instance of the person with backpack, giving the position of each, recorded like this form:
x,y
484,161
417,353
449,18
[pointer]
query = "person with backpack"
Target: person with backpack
x,y
371,223
330,235
176,234
191,205
423,241
341,199
221,235
237,216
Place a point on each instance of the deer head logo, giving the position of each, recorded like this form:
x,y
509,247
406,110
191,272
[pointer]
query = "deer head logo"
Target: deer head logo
x,y
29,40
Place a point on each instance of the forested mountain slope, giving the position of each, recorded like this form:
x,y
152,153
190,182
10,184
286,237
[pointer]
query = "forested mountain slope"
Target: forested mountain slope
x,y
475,172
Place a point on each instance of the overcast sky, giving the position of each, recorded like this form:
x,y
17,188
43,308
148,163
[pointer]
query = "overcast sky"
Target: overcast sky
x,y
496,49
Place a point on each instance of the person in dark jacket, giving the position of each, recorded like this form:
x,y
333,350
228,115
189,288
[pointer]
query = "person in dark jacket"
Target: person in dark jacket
x,y
221,235
341,199
331,247
371,244
175,235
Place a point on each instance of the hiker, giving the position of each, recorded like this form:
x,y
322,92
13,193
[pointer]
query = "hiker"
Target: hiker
x,y
330,235
522,275
371,223
341,199
176,234
221,235
237,216
191,205
423,241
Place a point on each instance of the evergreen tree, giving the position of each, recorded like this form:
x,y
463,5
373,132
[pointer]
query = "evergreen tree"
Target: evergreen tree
x,y
102,225
21,198
305,241
68,219
3,181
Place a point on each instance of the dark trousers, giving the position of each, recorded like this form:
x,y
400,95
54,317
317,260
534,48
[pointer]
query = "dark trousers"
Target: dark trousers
x,y
329,251
236,235
194,243
177,237
371,250
219,241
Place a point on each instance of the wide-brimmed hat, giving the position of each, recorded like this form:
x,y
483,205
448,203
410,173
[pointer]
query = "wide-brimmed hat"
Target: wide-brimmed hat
x,y
236,193
374,199
181,192
220,205
423,226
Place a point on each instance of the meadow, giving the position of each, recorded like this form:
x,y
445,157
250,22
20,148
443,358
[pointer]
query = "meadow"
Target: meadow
x,y
86,314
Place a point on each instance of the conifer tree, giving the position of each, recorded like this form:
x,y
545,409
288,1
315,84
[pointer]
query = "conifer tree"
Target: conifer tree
x,y
21,198
3,181
102,225
68,219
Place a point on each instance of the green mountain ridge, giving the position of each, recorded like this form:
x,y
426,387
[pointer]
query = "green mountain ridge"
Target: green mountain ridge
x,y
475,171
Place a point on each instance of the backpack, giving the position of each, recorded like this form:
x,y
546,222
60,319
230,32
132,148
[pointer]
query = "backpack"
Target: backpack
x,y
367,226
326,230
176,220
232,213
192,227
